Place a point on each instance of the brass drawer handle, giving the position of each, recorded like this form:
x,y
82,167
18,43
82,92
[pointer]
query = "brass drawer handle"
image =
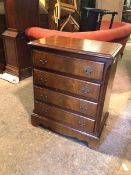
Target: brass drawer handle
x,y
43,79
81,123
88,70
44,97
45,111
85,90
84,108
43,61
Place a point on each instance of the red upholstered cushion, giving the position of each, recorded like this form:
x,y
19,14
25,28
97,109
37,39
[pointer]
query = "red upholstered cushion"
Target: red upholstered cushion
x,y
119,30
105,25
37,33
105,35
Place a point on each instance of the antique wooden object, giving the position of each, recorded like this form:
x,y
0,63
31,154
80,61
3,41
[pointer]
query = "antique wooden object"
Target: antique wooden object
x,y
72,85
43,14
63,14
52,24
87,3
64,8
91,18
43,21
2,28
20,14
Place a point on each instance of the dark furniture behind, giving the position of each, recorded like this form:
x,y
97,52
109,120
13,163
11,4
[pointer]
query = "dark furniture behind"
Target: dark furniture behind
x,y
2,28
91,18
43,20
80,5
52,24
43,16
20,14
72,85
88,3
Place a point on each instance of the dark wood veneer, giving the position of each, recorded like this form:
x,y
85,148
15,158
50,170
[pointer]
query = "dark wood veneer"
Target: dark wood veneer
x,y
2,28
65,117
68,65
67,84
66,98
20,14
66,101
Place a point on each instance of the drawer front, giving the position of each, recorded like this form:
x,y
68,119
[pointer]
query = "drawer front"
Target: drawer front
x,y
64,117
66,101
67,84
79,67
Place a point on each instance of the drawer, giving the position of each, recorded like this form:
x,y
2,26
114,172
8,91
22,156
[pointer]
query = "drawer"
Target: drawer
x,y
70,119
68,102
67,84
78,67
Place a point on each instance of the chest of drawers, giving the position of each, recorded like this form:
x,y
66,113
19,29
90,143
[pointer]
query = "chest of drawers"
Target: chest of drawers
x,y
72,84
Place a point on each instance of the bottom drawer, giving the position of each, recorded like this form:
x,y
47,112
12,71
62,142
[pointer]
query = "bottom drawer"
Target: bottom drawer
x,y
70,119
84,107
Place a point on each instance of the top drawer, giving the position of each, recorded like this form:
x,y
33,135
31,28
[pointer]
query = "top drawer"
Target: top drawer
x,y
79,67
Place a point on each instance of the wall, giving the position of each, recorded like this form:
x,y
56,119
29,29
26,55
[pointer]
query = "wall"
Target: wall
x,y
128,2
114,5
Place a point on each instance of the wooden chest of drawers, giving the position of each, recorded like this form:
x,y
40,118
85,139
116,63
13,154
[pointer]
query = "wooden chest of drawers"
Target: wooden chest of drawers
x,y
72,84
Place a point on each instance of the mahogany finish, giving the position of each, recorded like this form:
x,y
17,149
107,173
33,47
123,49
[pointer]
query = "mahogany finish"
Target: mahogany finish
x,y
20,14
2,28
69,65
67,84
68,118
68,99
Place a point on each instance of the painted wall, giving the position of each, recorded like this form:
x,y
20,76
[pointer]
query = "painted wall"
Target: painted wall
x,y
114,5
128,2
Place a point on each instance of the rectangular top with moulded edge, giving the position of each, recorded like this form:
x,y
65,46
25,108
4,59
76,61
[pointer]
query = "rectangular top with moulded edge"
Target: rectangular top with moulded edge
x,y
82,46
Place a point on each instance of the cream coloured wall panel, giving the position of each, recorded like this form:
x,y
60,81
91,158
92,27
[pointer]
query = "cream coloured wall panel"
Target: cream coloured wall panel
x,y
115,5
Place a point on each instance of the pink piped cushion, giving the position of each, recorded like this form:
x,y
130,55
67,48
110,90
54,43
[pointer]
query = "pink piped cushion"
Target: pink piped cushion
x,y
37,33
105,25
119,30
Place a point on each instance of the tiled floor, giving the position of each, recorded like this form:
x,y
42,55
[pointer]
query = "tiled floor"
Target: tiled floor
x,y
27,150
